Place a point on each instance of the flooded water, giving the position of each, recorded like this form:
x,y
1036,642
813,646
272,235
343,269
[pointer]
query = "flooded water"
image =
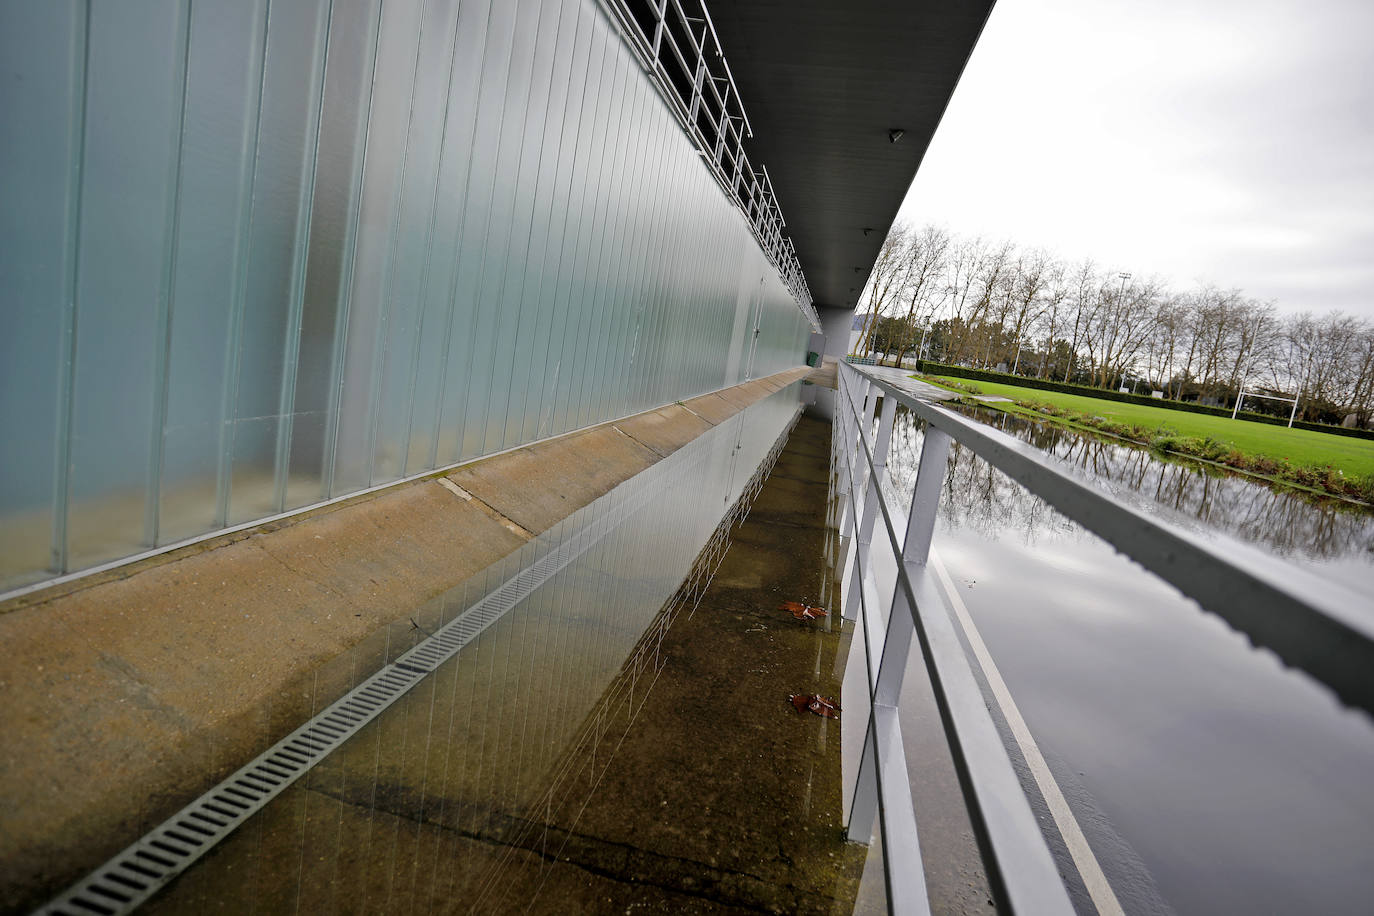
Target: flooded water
x,y
1207,776
1326,535
470,793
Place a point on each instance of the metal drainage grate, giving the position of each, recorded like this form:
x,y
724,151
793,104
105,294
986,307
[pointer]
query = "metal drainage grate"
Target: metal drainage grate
x,y
135,874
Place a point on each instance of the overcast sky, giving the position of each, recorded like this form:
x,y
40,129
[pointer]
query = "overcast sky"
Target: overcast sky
x,y
1222,141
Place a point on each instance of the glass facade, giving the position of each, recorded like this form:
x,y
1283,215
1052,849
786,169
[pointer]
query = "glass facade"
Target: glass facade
x,y
258,255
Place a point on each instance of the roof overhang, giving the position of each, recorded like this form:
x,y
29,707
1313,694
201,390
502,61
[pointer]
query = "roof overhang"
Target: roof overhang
x,y
824,84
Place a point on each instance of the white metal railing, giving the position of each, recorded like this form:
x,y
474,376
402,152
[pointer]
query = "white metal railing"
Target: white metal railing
x,y
676,43
1310,623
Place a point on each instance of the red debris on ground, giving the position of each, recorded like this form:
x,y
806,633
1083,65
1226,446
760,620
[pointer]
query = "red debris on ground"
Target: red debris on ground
x,y
803,611
811,702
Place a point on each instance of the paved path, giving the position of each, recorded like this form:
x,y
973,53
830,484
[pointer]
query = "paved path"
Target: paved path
x,y
903,380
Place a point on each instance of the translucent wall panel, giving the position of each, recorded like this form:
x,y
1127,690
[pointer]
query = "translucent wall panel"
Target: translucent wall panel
x,y
128,175
259,255
213,209
42,46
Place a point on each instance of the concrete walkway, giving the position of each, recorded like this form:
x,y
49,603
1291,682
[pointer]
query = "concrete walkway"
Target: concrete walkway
x,y
902,379
708,793
126,694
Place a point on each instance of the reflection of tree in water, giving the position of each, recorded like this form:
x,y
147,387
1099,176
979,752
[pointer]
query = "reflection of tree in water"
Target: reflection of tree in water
x,y
985,500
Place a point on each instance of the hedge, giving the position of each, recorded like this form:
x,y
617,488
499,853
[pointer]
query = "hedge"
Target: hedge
x,y
932,368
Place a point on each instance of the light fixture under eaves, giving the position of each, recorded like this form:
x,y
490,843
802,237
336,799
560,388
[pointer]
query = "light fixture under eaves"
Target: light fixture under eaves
x,y
895,134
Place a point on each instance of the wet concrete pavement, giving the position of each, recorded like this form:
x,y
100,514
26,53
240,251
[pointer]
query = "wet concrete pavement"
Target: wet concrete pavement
x,y
689,784
722,796
127,693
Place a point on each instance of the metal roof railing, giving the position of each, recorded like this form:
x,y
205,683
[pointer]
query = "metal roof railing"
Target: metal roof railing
x,y
676,43
1312,624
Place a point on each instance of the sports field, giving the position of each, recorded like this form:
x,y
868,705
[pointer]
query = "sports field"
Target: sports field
x,y
1355,457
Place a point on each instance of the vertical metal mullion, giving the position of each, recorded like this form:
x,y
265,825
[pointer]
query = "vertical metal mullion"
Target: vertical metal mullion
x,y
248,178
524,305
589,228
503,277
379,353
598,273
350,250
580,192
658,291
59,551
652,200
561,238
458,241
286,404
645,190
162,354
659,274
627,173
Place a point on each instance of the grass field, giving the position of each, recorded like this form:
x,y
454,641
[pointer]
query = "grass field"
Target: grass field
x,y
1355,457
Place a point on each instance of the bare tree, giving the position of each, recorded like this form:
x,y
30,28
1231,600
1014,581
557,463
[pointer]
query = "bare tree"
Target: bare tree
x,y
1030,278
1083,300
926,254
985,268
1254,330
1361,401
1166,337
885,281
1206,342
1055,294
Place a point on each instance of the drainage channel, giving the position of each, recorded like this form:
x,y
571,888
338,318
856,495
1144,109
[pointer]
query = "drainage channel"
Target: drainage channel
x,y
139,871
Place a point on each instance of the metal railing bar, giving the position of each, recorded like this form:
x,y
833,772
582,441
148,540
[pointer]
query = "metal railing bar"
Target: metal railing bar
x,y
863,807
874,626
1021,860
877,458
906,887
915,550
1076,844
884,789
1318,626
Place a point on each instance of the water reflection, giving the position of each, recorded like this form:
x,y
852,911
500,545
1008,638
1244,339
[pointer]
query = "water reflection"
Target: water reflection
x,y
467,792
1284,521
1207,776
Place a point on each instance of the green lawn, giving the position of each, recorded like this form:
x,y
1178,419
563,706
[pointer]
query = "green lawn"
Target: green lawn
x,y
1300,446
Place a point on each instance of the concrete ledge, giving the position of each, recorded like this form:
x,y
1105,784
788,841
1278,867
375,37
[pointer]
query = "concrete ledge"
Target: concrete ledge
x,y
126,695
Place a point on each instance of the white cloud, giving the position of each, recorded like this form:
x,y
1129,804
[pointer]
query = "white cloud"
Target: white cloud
x,y
1228,141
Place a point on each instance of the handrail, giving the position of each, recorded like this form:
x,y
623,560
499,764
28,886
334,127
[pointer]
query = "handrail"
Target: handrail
x,y
1310,623
683,56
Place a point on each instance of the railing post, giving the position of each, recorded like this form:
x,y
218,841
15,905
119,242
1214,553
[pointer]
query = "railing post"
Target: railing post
x,y
907,894
870,504
844,451
863,810
661,12
920,527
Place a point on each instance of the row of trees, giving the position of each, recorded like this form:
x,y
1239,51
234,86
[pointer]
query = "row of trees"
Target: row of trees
x,y
971,302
